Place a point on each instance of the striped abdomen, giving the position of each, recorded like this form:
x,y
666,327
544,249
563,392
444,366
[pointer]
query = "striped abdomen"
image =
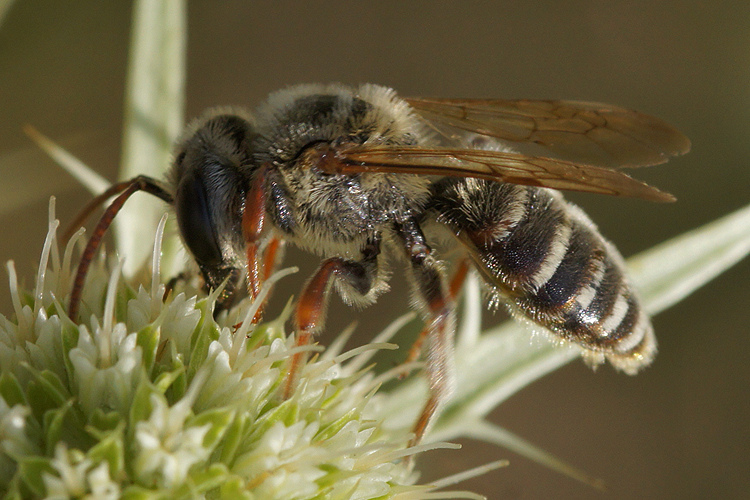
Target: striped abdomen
x,y
551,264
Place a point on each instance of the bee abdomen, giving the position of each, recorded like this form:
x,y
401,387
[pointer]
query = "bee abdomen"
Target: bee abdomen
x,y
550,264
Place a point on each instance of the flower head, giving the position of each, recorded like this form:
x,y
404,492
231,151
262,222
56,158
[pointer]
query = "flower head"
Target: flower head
x,y
154,397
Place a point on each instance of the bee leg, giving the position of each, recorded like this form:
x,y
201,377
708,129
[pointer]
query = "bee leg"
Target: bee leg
x,y
231,277
272,255
434,298
357,279
457,282
263,253
172,283
124,190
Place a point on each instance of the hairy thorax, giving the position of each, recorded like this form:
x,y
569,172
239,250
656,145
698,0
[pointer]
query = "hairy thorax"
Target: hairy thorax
x,y
328,213
338,214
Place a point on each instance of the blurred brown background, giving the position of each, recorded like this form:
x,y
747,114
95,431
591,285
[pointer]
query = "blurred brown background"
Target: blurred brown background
x,y
681,429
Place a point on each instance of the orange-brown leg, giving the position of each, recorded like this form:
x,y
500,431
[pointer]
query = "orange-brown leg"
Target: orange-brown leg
x,y
357,277
274,250
272,255
253,224
260,265
435,299
310,315
457,282
125,190
438,370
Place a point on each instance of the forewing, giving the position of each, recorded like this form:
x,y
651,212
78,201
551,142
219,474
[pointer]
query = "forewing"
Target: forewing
x,y
587,132
498,166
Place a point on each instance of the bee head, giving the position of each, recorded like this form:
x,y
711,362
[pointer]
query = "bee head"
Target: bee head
x,y
210,176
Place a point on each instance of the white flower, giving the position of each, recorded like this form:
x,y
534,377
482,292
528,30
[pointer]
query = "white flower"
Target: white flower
x,y
77,477
166,447
155,397
160,399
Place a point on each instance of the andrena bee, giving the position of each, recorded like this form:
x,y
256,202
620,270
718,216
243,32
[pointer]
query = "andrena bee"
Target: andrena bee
x,y
364,178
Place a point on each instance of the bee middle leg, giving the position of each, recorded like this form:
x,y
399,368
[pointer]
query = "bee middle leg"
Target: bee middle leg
x,y
358,281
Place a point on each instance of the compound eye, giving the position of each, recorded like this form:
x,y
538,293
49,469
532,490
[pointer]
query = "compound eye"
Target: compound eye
x,y
195,222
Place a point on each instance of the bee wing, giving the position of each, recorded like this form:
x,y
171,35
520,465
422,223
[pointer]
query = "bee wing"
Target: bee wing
x,y
590,132
495,165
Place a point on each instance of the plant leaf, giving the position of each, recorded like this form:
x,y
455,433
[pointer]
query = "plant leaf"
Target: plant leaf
x,y
5,6
154,102
84,174
669,272
490,433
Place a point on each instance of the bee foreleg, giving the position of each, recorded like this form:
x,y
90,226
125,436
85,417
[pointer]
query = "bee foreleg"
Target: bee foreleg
x,y
262,252
434,298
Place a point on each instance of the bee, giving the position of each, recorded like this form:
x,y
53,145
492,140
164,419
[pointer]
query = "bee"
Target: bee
x,y
365,179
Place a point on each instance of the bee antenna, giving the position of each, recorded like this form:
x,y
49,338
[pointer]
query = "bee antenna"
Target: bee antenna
x,y
125,189
95,203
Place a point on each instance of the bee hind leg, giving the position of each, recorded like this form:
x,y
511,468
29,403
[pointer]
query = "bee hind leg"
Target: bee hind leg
x,y
456,284
435,298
